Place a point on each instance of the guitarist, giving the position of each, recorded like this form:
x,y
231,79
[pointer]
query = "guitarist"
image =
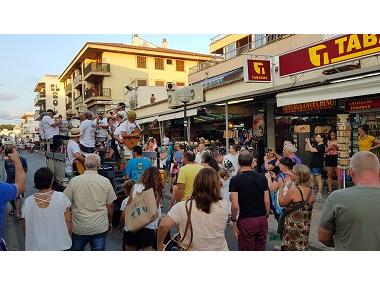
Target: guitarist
x,y
130,130
73,153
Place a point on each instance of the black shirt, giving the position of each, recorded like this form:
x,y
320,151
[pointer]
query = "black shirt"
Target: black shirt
x,y
317,158
250,187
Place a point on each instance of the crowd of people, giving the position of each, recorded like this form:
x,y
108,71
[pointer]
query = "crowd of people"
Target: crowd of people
x,y
209,191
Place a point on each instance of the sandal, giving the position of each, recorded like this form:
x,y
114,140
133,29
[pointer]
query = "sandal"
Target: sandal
x,y
11,213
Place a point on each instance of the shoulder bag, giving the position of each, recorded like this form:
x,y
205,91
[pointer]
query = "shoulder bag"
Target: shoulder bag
x,y
176,240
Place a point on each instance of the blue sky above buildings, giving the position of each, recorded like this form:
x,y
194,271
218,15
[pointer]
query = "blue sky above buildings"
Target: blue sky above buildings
x,y
24,59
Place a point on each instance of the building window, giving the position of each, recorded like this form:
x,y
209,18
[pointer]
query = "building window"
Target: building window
x,y
159,63
142,82
169,61
141,61
274,37
260,40
180,83
230,51
52,87
180,65
160,83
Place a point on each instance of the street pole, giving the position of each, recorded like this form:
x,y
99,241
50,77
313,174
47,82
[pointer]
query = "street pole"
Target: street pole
x,y
184,123
226,115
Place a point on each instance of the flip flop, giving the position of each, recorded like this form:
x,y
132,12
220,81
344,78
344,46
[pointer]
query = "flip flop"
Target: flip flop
x,y
11,213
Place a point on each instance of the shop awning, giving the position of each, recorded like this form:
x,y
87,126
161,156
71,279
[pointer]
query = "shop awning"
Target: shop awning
x,y
345,89
177,115
147,120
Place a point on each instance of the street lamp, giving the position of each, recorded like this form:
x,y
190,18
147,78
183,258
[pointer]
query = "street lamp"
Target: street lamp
x,y
185,97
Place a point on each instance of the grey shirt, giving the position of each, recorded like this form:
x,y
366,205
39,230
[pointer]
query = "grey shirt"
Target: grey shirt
x,y
352,214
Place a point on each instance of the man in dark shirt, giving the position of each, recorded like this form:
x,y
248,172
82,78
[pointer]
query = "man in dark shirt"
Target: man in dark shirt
x,y
11,174
250,199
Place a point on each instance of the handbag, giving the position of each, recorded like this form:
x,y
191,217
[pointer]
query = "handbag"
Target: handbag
x,y
141,210
175,242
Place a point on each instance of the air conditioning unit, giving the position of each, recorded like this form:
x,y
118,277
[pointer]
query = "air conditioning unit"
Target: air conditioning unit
x,y
173,100
170,86
197,92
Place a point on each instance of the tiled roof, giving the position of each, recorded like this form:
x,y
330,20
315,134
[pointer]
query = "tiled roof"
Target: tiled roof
x,y
158,49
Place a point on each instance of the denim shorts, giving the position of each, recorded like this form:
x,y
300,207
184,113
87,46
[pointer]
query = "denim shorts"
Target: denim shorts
x,y
316,171
97,241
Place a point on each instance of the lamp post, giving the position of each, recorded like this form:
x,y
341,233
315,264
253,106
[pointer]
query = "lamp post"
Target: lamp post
x,y
185,97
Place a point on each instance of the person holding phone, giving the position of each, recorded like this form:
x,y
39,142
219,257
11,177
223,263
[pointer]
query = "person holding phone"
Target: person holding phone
x,y
9,191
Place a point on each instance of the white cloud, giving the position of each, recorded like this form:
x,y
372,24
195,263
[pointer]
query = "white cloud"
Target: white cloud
x,y
8,96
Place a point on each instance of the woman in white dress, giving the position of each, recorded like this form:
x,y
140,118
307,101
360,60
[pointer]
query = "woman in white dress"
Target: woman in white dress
x,y
47,216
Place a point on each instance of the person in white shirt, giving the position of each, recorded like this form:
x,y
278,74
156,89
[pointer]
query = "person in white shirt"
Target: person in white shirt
x,y
66,123
127,129
50,128
102,126
230,161
47,216
198,156
87,134
73,152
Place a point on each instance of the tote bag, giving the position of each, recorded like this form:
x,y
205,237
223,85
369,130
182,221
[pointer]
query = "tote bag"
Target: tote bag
x,y
141,211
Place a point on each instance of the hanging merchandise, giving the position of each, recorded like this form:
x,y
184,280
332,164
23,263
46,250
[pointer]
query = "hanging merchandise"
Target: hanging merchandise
x,y
344,140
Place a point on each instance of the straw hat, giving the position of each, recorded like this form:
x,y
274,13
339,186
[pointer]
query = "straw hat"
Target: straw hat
x,y
75,132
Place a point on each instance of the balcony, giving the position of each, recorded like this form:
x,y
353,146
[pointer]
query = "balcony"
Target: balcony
x,y
68,89
77,82
40,99
78,101
103,94
94,70
69,106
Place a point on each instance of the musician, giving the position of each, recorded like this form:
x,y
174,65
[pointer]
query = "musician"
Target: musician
x,y
66,123
87,134
50,128
130,129
117,140
102,126
73,152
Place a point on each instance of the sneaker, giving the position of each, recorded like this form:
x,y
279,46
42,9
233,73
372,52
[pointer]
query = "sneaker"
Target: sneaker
x,y
277,248
318,197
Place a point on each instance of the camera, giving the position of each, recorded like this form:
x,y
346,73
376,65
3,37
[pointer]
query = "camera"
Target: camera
x,y
8,149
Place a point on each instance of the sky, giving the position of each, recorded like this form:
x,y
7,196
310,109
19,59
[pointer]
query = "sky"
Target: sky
x,y
25,59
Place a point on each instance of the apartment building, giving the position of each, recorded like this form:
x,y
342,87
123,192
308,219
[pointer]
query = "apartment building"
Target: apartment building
x,y
28,125
103,74
50,95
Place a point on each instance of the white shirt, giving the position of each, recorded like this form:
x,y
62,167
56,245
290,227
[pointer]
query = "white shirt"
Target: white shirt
x,y
46,228
102,133
122,209
87,133
117,131
48,130
72,148
129,127
230,162
198,157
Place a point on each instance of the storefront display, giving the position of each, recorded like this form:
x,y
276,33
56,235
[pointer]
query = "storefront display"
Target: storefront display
x,y
344,140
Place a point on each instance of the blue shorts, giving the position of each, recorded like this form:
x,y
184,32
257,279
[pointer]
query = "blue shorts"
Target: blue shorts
x,y
316,171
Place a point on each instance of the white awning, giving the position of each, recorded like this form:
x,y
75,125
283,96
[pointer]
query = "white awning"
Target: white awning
x,y
147,120
177,115
345,89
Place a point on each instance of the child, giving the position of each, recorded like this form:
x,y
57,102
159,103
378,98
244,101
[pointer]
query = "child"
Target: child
x,y
127,187
225,179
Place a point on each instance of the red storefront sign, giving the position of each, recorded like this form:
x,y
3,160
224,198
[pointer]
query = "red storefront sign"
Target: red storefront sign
x,y
305,107
365,104
257,70
334,51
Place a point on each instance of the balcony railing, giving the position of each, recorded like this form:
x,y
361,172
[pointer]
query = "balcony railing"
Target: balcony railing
x,y
104,92
39,97
96,67
68,88
259,42
78,100
218,38
77,79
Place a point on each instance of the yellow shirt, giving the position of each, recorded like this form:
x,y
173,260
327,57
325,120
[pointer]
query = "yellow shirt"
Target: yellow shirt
x,y
366,144
186,176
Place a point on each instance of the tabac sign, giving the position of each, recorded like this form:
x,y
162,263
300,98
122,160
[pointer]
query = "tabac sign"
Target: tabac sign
x,y
329,52
257,70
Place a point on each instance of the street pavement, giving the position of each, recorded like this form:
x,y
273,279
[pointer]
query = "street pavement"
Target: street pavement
x,y
14,236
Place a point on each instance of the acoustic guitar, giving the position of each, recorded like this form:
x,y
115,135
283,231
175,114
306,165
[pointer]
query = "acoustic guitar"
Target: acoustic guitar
x,y
78,167
131,142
